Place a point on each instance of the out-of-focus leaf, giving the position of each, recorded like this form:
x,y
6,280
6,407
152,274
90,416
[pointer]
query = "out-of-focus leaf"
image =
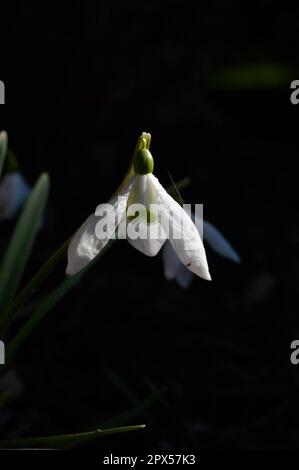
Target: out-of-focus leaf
x,y
3,149
19,249
60,441
252,77
121,385
4,398
135,411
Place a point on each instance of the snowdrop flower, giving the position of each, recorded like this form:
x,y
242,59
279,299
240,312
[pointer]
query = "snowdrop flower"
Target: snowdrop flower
x,y
174,269
141,190
14,190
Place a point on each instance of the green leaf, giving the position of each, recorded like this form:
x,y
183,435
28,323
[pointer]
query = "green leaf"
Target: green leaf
x,y
39,314
46,305
254,76
3,149
60,441
32,285
20,246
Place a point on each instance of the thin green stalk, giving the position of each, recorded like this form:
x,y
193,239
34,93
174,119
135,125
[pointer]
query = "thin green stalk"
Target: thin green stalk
x,y
52,262
65,438
47,304
32,285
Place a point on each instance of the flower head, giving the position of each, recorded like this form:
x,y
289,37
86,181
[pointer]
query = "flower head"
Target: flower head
x,y
146,215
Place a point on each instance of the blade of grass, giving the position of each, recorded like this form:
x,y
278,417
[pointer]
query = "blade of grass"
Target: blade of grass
x,y
66,438
20,246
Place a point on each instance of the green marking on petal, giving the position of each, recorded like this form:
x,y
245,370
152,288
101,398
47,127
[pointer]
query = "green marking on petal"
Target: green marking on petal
x,y
151,217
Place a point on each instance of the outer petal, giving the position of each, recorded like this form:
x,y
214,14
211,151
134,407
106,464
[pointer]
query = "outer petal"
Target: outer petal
x,y
144,192
218,243
148,246
85,246
13,192
189,249
174,268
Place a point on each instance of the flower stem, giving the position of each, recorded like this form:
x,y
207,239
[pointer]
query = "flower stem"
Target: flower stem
x,y
32,285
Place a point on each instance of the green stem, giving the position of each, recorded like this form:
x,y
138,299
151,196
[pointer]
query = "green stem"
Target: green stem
x,y
51,263
140,144
32,285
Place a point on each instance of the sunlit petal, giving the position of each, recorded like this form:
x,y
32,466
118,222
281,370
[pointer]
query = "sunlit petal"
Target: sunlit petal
x,y
145,233
188,247
85,245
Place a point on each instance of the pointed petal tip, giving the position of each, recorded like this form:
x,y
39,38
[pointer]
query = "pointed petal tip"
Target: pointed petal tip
x,y
206,275
202,272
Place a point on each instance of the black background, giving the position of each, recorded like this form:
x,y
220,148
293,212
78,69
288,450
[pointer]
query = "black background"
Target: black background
x,y
82,82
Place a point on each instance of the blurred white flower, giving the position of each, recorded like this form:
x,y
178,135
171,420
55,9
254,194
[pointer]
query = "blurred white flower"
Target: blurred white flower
x,y
174,269
143,188
14,190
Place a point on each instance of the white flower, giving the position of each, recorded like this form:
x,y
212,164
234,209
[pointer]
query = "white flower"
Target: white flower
x,y
174,269
13,192
172,222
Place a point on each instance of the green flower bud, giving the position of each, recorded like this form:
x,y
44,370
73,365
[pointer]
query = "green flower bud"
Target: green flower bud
x,y
143,162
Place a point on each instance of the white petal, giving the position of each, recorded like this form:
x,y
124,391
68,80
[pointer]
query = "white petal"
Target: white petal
x,y
13,192
189,249
152,235
174,268
218,243
85,245
149,246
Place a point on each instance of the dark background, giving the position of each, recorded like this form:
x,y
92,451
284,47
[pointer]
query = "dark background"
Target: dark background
x,y
82,82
